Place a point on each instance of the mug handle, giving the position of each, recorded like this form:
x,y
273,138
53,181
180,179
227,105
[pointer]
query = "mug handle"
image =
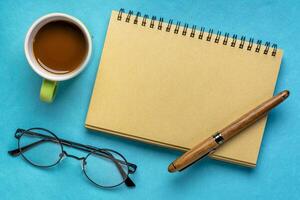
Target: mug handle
x,y
48,91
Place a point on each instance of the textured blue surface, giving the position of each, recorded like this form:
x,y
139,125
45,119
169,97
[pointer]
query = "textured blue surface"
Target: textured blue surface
x,y
277,175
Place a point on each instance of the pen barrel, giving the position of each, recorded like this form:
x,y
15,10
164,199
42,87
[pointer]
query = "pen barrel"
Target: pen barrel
x,y
252,116
196,153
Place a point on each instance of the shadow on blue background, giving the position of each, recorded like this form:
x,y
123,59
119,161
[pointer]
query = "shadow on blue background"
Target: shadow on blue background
x,y
277,174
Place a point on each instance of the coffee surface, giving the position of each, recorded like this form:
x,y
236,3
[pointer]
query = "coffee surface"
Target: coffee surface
x,y
60,47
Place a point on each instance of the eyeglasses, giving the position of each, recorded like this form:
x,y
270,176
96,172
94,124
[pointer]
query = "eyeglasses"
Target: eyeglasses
x,y
104,167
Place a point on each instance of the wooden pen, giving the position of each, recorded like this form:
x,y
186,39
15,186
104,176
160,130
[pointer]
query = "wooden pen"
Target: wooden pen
x,y
212,143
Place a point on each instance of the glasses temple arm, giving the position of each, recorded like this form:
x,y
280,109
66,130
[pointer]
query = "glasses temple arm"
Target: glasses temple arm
x,y
17,152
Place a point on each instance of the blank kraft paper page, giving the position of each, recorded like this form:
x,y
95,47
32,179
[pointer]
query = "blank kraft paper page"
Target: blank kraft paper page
x,y
175,86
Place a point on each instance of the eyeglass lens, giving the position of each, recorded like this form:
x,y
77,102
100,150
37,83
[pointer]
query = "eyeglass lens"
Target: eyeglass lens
x,y
108,169
43,152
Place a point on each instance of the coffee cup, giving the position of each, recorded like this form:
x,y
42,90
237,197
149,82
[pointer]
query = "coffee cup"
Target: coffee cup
x,y
57,47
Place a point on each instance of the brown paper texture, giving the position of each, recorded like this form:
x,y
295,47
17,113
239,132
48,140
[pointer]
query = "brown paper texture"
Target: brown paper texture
x,y
175,90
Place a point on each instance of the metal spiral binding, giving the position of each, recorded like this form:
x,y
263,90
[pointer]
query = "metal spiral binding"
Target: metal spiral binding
x,y
176,30
234,39
138,14
152,21
226,36
169,25
243,39
201,33
183,30
161,20
209,36
193,31
258,46
218,37
185,27
128,16
251,40
144,20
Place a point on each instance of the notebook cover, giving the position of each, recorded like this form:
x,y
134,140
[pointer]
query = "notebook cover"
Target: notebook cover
x,y
176,89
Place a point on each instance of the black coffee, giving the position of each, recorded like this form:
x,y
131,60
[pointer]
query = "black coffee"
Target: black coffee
x,y
60,47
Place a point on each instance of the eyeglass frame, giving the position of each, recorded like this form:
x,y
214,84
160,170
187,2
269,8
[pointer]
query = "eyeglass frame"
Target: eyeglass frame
x,y
86,148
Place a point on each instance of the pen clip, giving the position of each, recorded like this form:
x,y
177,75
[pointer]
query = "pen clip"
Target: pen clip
x,y
196,160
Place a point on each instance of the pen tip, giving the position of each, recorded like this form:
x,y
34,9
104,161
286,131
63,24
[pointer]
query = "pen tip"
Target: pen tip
x,y
286,94
171,168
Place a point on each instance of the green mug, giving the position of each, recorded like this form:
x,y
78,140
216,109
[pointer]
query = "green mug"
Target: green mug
x,y
50,82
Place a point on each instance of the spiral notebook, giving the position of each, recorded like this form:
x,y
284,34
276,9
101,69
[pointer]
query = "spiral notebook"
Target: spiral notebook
x,y
171,84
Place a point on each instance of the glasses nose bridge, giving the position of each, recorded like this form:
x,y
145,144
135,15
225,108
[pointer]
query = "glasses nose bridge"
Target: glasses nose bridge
x,y
72,156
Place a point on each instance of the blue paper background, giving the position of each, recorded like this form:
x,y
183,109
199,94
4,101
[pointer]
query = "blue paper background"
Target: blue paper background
x,y
277,175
